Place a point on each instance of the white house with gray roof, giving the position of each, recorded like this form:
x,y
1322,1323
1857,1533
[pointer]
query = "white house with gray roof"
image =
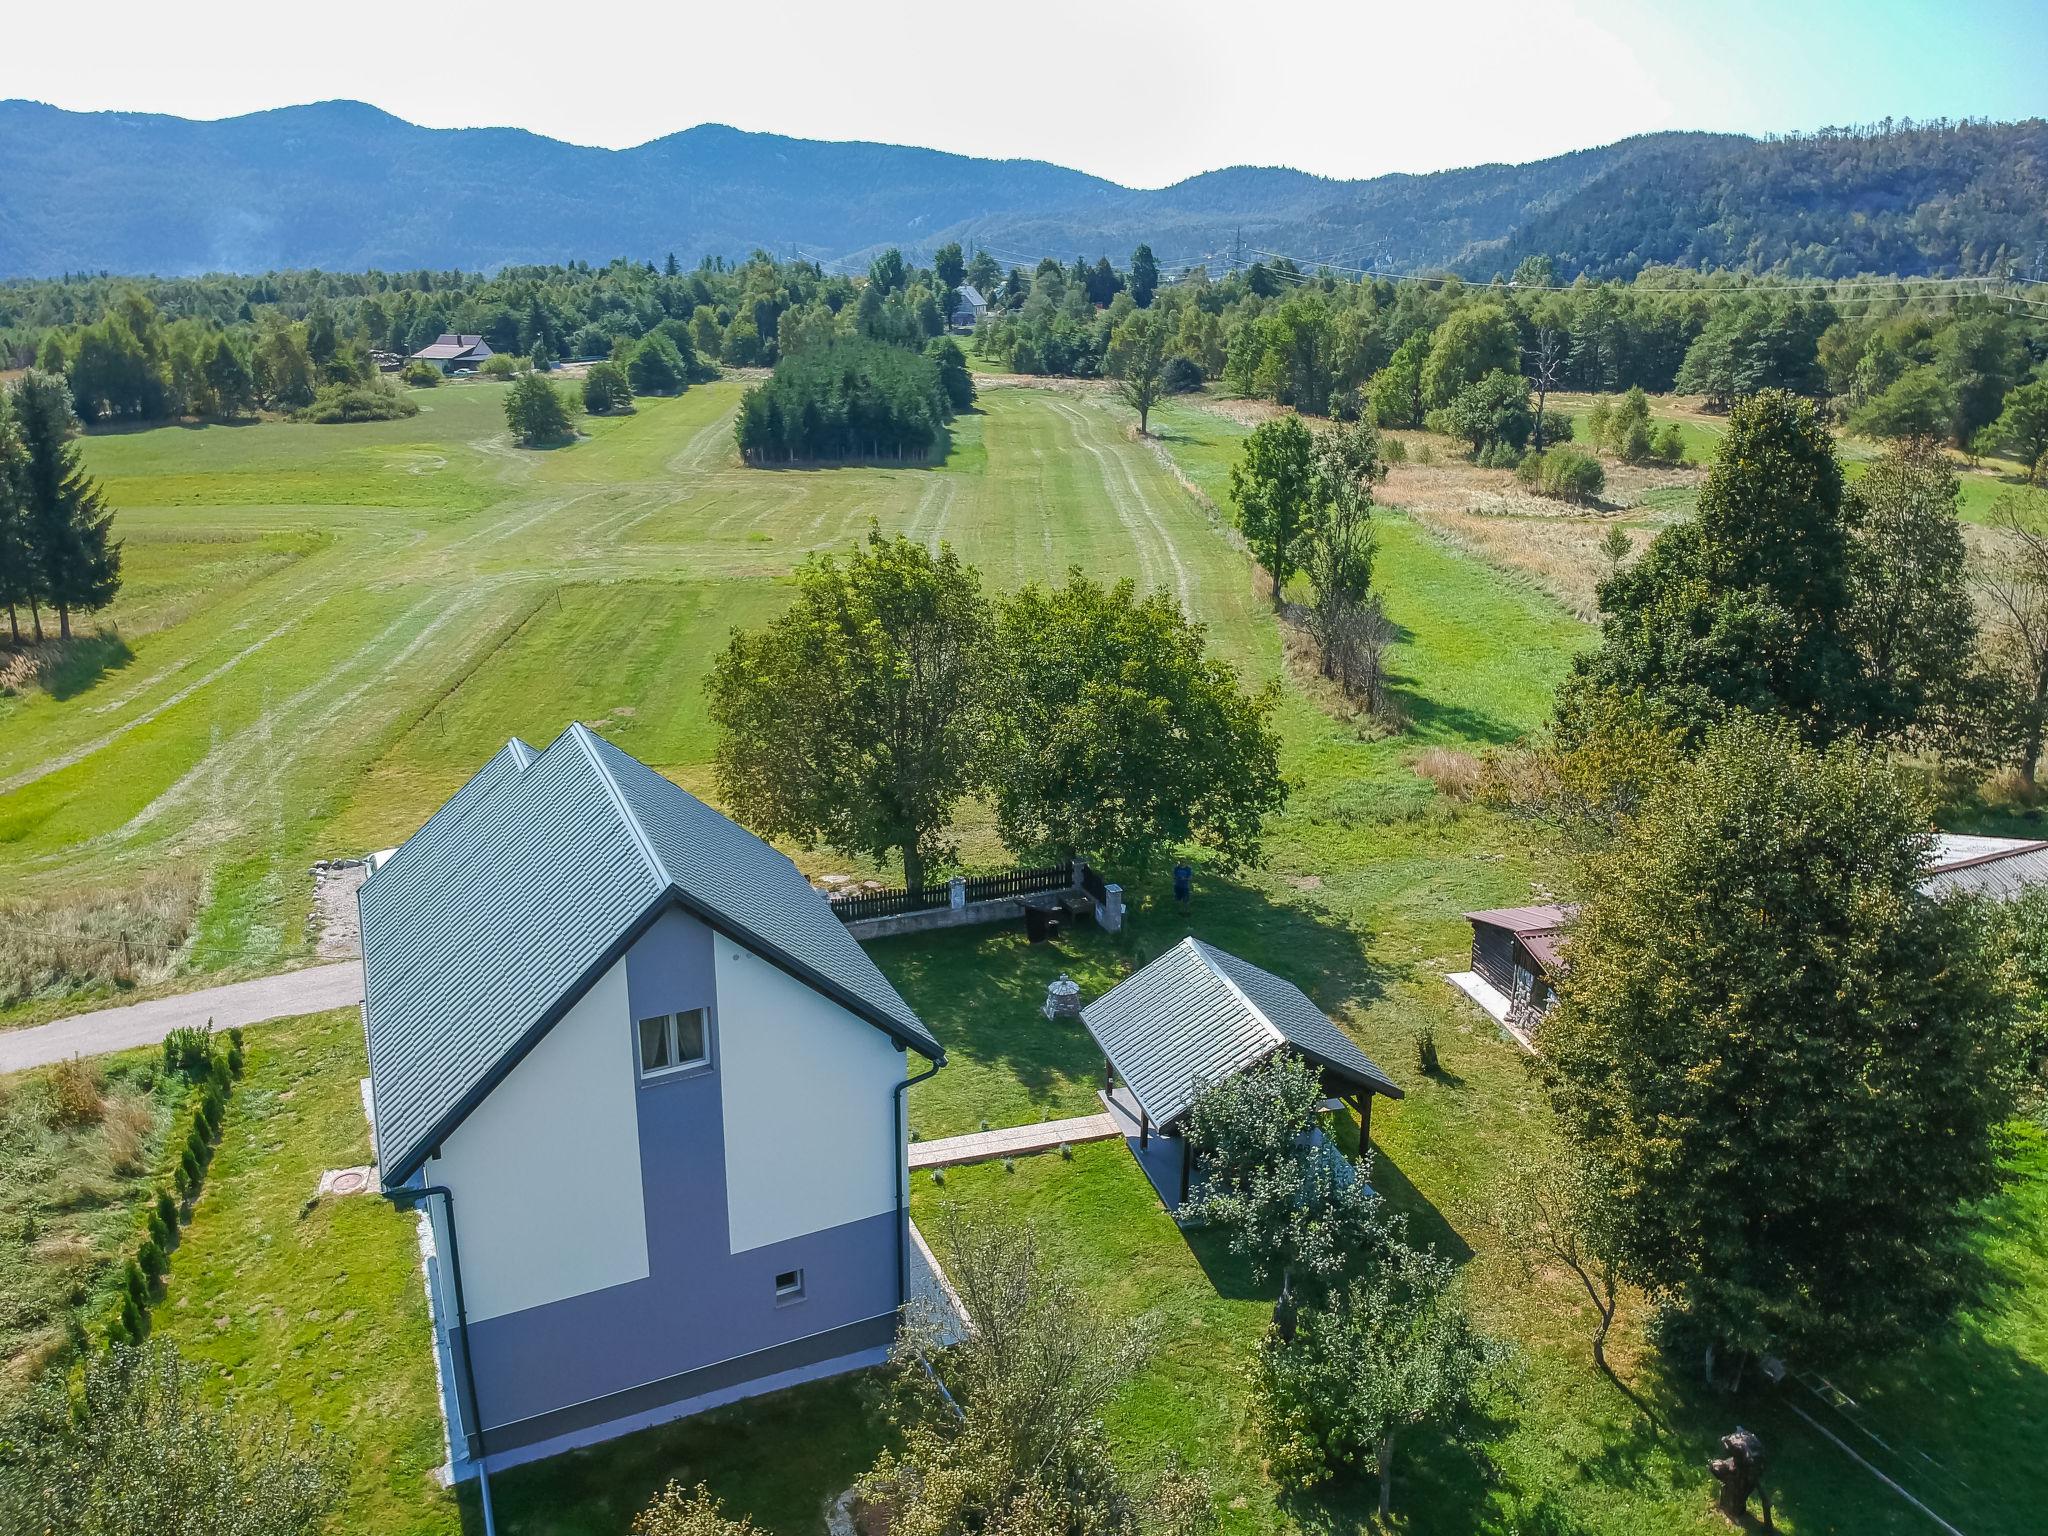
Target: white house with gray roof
x,y
648,1092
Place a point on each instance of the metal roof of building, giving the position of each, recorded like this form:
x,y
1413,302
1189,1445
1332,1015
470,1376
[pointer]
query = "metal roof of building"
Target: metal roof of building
x,y
487,925
1196,1014
1525,919
1999,867
449,345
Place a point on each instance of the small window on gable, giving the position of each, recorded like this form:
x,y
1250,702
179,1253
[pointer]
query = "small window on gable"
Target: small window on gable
x,y
789,1286
674,1042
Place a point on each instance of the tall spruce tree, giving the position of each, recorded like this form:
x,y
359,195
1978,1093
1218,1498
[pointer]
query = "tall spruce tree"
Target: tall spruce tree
x,y
77,564
17,569
1747,606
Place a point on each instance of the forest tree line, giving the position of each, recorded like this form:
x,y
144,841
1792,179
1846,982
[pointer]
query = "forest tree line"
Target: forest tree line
x,y
1890,361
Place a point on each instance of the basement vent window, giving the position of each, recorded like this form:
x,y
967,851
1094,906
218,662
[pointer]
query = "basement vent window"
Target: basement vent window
x,y
789,1286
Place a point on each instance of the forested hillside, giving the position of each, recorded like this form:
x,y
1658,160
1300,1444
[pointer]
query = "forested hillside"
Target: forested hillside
x,y
1949,198
343,186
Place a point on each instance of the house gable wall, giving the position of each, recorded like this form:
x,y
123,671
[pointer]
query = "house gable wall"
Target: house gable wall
x,y
806,1108
783,1059
546,1169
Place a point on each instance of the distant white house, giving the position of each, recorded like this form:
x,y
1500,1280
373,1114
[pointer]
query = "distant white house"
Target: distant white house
x,y
451,351
648,1091
968,307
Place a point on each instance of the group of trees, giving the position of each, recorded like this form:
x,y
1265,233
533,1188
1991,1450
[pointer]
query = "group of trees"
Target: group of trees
x,y
1893,361
1844,610
152,349
852,398
57,548
1092,717
1304,504
131,364
1370,1340
1757,983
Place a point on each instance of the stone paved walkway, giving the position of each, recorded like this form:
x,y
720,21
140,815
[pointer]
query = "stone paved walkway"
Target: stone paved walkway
x,y
1011,1141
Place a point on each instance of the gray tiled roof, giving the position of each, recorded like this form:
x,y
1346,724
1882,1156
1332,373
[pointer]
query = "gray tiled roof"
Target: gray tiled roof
x,y
515,896
1198,1013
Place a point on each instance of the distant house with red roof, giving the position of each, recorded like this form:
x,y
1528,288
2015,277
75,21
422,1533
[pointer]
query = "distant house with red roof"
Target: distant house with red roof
x,y
451,351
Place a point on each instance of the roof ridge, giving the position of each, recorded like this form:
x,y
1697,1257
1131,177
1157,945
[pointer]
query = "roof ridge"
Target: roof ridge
x,y
587,740
1208,952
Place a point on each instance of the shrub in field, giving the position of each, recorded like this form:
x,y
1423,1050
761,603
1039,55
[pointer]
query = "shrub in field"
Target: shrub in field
x,y
149,1257
339,404
1180,376
536,412
75,1093
167,1212
1669,444
605,389
188,1052
1563,473
503,365
421,375
696,1513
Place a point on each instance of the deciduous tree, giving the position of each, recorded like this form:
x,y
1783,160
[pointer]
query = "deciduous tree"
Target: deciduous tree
x,y
2016,584
130,1443
1015,1445
2022,428
856,719
1390,1355
1115,736
1786,1064
1911,617
1137,360
1290,1202
535,412
1273,485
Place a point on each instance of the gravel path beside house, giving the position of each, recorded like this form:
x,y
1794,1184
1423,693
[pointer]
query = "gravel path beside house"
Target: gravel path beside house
x,y
284,996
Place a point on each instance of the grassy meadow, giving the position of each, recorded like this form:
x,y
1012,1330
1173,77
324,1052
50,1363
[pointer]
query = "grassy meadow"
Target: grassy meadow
x,y
327,629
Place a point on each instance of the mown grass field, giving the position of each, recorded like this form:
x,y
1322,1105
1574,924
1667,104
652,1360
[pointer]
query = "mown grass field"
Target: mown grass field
x,y
404,596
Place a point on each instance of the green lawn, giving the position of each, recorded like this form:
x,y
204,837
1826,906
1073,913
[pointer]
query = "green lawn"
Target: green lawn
x,y
327,628
314,1308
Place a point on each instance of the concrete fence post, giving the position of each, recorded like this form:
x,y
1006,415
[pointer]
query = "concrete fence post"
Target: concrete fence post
x,y
1077,870
1109,912
956,892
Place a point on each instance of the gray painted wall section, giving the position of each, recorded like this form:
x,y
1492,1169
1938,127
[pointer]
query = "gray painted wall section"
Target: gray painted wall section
x,y
700,1304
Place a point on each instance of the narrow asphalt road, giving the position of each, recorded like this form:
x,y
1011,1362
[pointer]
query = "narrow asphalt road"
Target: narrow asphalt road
x,y
243,1002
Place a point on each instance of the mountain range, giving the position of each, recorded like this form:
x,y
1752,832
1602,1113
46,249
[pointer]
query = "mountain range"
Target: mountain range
x,y
344,186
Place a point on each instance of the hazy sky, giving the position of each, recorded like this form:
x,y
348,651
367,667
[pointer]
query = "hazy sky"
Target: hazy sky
x,y
1145,94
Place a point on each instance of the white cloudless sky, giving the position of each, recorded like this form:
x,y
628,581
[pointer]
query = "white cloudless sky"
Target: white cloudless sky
x,y
1144,94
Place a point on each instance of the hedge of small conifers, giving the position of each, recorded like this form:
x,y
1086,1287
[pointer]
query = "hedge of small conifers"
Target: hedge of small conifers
x,y
212,1065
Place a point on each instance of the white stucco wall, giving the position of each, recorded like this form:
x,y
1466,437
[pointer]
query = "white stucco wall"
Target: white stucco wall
x,y
546,1171
804,1088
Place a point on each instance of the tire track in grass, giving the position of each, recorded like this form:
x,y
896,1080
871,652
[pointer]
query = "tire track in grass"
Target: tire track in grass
x,y
1134,511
